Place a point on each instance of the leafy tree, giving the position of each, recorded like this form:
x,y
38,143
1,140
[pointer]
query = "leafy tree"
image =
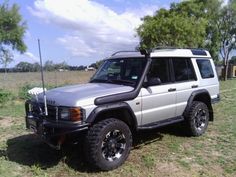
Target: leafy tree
x,y
99,63
49,65
24,66
193,23
28,67
93,65
5,58
227,33
12,27
181,26
213,9
36,67
62,65
233,60
12,30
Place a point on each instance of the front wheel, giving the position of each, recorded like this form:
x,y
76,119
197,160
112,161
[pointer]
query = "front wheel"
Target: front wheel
x,y
197,118
108,144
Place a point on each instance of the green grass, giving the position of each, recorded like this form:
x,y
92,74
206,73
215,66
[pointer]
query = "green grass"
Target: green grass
x,y
161,152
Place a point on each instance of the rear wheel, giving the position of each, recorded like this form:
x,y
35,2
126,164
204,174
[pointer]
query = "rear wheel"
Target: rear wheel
x,y
108,144
197,118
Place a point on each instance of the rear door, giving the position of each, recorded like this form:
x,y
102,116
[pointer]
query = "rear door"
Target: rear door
x,y
158,101
186,82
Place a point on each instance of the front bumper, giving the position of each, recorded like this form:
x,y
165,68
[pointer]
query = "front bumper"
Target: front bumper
x,y
52,131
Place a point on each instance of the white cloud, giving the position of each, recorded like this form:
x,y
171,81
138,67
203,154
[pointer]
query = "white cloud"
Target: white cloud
x,y
31,56
93,27
25,57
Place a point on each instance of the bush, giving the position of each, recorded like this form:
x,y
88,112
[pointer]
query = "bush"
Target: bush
x,y
5,96
23,91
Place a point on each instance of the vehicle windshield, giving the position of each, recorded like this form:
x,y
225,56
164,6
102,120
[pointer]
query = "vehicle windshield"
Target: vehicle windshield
x,y
120,71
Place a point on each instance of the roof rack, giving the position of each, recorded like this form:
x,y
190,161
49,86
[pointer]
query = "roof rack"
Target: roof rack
x,y
195,51
165,47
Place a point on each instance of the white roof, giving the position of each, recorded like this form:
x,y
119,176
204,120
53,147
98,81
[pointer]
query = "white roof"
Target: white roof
x,y
190,53
181,53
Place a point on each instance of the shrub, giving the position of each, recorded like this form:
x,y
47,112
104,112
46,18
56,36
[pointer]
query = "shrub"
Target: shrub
x,y
23,91
5,96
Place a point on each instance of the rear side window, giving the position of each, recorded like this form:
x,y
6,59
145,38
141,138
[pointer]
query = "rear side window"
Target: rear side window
x,y
205,68
183,69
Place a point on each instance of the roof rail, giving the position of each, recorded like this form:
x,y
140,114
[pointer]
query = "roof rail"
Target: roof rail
x,y
123,51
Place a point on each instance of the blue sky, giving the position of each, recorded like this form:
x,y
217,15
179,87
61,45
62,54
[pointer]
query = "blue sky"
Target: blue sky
x,y
81,32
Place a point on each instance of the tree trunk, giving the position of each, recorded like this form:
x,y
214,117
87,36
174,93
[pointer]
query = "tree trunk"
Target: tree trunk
x,y
225,76
5,73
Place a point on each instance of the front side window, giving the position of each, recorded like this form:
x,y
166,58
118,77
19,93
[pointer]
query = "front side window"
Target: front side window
x,y
160,69
205,68
120,71
183,69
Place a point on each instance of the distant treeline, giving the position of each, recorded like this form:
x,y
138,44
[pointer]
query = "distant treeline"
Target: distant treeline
x,y
48,66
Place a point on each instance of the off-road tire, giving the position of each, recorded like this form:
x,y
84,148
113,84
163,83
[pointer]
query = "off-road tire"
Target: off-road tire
x,y
94,143
197,118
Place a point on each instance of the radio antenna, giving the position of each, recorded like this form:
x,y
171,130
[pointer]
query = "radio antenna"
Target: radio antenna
x,y
41,68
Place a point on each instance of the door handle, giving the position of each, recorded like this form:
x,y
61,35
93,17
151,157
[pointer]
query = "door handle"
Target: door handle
x,y
171,89
194,86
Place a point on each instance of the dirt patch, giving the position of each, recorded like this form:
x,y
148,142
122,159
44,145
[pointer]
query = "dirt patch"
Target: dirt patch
x,y
6,122
170,169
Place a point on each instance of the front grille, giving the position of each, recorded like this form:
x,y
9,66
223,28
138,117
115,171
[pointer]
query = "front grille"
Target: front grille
x,y
38,109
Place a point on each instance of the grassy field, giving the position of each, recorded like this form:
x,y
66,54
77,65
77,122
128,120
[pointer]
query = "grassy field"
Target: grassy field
x,y
160,152
14,81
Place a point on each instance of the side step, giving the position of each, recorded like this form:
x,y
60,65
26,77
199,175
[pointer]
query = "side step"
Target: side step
x,y
161,123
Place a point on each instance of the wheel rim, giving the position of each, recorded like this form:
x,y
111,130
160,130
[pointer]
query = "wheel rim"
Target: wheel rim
x,y
113,145
200,119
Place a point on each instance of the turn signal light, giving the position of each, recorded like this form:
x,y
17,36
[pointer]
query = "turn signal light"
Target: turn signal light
x,y
76,114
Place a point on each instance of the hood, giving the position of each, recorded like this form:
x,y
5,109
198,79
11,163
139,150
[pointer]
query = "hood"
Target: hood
x,y
82,94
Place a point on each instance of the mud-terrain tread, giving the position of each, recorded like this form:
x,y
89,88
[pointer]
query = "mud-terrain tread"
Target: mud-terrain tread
x,y
190,116
93,139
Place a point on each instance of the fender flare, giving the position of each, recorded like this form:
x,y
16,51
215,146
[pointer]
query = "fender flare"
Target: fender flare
x,y
109,107
192,98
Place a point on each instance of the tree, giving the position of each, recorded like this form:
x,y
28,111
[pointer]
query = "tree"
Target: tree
x,y
49,65
233,60
62,65
227,33
195,23
99,63
5,58
177,27
28,67
12,28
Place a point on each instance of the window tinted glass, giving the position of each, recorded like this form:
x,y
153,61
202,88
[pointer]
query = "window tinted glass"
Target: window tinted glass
x,y
159,69
183,69
205,68
120,71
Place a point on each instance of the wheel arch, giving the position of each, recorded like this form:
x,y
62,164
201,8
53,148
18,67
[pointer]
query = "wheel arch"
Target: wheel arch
x,y
203,96
121,111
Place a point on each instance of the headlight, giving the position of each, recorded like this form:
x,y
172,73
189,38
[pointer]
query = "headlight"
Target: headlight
x,y
73,114
65,114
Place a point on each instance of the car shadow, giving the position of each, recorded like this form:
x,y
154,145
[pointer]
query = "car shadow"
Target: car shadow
x,y
29,150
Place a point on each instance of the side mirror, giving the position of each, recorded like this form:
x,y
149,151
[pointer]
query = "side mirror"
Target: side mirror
x,y
153,81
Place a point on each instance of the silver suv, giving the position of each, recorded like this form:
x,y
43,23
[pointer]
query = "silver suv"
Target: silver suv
x,y
130,92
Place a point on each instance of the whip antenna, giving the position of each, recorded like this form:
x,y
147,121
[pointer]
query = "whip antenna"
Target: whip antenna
x,y
41,68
